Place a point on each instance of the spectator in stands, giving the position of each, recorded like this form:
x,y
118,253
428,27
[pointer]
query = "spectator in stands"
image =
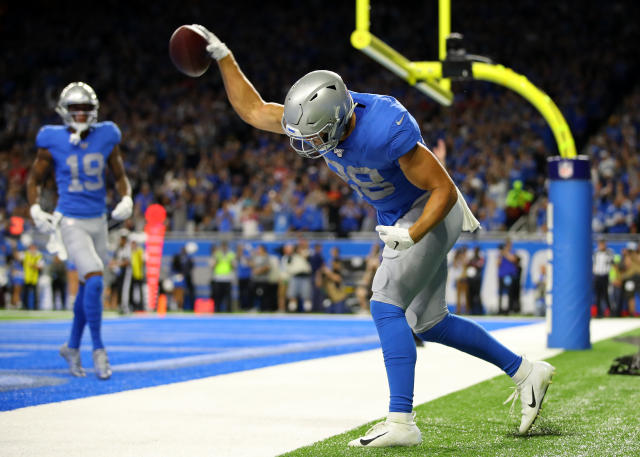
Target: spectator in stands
x,y
143,198
223,265
517,286
299,270
631,277
618,215
507,272
286,251
334,287
316,260
615,279
363,288
58,273
181,274
475,269
243,274
137,277
602,263
249,221
111,288
17,278
260,275
541,292
518,202
273,282
350,217
458,272
225,218
121,266
33,263
5,270
491,216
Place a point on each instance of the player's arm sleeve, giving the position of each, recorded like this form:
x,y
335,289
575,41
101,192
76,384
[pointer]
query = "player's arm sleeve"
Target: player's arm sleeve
x,y
247,101
403,137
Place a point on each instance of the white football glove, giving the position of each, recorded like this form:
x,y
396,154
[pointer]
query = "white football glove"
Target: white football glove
x,y
123,209
45,222
396,238
56,246
216,48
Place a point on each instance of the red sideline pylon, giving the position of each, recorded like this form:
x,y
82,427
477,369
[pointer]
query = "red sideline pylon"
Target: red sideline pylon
x,y
154,229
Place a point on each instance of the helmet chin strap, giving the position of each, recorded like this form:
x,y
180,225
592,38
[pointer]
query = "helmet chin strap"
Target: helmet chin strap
x,y
78,130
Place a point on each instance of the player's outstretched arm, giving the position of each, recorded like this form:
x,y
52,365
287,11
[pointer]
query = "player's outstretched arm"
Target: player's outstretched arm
x,y
124,208
242,95
45,222
422,169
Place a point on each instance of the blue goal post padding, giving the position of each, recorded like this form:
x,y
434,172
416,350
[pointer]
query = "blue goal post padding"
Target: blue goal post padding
x,y
570,292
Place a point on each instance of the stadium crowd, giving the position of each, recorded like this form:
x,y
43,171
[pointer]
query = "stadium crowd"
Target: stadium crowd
x,y
186,149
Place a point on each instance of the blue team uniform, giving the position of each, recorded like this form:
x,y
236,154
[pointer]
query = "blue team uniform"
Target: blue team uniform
x,y
80,169
408,288
368,158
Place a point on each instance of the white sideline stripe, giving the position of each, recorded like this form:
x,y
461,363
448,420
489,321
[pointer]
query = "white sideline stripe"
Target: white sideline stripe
x,y
208,359
129,348
240,354
263,412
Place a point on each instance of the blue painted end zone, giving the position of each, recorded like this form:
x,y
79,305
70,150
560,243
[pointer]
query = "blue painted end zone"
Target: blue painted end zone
x,y
152,351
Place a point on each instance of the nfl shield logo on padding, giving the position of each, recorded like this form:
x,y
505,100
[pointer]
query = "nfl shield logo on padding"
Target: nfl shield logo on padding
x,y
565,169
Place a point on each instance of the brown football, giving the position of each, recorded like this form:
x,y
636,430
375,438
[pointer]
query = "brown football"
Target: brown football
x,y
188,51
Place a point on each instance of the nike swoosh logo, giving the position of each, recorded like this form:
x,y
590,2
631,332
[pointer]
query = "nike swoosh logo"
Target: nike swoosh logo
x,y
533,395
400,121
396,245
365,442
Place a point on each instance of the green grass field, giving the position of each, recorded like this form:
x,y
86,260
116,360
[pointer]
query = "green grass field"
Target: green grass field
x,y
22,314
587,412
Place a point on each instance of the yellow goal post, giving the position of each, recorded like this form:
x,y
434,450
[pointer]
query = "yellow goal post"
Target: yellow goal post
x,y
433,78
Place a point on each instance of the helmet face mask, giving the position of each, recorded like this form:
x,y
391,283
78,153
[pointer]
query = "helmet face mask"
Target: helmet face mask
x,y
314,145
78,106
317,111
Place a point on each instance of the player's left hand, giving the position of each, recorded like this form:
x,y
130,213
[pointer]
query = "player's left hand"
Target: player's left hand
x,y
216,48
123,210
44,221
396,238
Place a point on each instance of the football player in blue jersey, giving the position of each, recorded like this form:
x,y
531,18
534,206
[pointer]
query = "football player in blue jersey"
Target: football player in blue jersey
x,y
375,145
78,152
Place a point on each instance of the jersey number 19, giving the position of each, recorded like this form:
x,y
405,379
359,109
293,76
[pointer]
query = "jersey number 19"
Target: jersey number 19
x,y
93,168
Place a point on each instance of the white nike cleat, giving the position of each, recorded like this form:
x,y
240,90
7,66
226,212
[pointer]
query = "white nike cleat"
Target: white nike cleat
x,y
398,430
72,356
532,392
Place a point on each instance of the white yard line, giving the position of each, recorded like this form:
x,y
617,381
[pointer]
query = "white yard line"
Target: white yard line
x,y
255,413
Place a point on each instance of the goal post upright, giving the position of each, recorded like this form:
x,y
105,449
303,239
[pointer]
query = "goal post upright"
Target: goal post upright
x,y
365,41
444,30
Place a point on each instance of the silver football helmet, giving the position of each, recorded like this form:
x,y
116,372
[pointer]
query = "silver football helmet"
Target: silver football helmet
x,y
78,99
317,110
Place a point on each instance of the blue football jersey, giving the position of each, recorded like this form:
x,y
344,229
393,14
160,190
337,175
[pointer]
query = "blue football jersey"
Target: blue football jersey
x,y
80,169
368,158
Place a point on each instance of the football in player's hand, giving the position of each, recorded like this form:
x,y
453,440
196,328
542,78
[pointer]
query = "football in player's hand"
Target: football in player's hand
x,y
188,51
